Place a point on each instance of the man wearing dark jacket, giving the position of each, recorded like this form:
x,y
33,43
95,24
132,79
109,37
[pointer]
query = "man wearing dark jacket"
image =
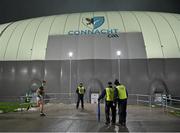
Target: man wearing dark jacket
x,y
121,96
109,103
80,91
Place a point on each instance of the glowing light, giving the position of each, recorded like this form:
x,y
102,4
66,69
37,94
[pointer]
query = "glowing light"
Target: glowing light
x,y
70,54
118,53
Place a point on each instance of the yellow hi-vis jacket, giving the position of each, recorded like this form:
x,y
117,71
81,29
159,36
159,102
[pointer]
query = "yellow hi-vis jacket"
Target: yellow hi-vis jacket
x,y
81,90
109,94
121,92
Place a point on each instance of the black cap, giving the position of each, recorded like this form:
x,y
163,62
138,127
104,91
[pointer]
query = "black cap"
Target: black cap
x,y
116,82
109,83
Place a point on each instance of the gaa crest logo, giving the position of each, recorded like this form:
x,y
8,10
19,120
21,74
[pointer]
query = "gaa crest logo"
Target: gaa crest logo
x,y
93,23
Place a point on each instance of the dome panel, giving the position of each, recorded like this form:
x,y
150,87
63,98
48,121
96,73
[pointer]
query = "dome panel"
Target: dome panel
x,y
58,25
5,37
175,26
26,44
130,22
13,44
177,16
72,23
153,49
3,26
40,42
115,21
168,42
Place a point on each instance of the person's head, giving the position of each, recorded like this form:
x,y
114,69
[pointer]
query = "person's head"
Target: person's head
x,y
116,82
80,84
109,83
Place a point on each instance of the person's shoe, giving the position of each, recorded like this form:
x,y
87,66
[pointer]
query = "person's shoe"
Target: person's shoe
x,y
107,123
123,124
42,114
28,107
113,123
119,124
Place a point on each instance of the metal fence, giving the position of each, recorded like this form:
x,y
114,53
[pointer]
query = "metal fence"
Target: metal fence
x,y
139,99
163,101
60,97
67,98
171,103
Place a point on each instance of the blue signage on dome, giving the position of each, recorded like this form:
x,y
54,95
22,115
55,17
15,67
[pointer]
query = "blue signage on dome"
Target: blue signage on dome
x,y
93,23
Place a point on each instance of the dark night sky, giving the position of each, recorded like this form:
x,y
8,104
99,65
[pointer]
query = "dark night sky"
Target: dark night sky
x,y
12,10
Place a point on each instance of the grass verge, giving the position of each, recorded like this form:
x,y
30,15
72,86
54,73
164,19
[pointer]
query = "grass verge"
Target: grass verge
x,y
6,107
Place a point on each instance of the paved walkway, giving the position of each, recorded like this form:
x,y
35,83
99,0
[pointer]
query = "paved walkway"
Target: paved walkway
x,y
65,118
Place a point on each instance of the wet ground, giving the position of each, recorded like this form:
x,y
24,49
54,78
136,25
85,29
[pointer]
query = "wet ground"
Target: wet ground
x,y
65,118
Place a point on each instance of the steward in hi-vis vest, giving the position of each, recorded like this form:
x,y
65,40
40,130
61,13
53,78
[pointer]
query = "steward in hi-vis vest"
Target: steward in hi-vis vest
x,y
121,97
80,91
122,94
108,93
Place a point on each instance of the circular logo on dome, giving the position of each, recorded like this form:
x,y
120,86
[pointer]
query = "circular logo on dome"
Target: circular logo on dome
x,y
93,23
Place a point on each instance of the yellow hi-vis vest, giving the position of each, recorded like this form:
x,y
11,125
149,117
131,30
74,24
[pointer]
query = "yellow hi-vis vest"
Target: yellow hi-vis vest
x,y
121,92
109,94
81,90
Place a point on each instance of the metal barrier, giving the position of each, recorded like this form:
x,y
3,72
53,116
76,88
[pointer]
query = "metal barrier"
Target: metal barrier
x,y
60,97
171,103
166,103
140,98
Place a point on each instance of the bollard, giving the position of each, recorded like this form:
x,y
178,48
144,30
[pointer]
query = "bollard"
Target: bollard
x,y
137,99
150,101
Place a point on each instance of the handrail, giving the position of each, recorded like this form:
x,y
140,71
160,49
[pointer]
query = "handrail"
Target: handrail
x,y
140,100
175,108
60,93
138,97
138,94
172,99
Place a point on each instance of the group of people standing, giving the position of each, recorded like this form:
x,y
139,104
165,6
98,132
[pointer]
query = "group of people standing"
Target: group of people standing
x,y
114,96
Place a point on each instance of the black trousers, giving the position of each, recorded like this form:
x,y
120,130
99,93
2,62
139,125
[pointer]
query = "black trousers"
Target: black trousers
x,y
109,105
122,106
80,98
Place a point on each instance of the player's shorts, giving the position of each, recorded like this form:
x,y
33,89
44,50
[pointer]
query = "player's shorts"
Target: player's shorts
x,y
39,98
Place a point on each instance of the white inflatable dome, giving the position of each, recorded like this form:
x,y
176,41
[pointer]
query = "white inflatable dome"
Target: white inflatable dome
x,y
27,39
